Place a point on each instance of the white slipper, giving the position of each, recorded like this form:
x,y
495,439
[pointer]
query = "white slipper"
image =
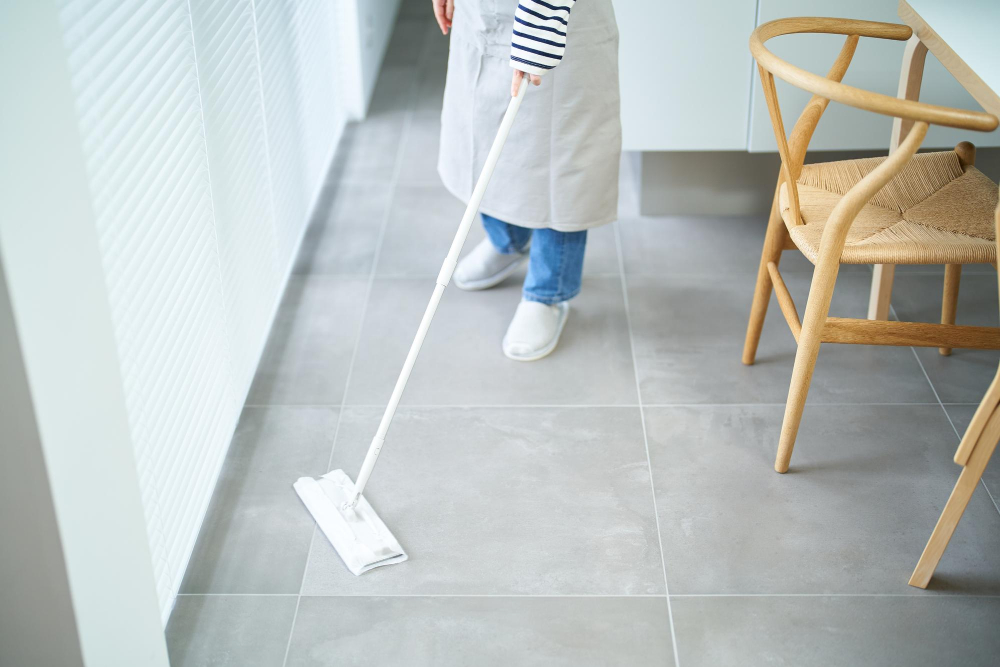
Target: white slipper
x,y
485,267
534,332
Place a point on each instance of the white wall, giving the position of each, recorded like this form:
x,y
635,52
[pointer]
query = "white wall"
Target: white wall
x,y
685,73
204,130
66,387
875,67
37,623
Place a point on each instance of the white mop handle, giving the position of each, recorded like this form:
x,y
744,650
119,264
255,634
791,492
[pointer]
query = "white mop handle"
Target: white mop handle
x,y
443,278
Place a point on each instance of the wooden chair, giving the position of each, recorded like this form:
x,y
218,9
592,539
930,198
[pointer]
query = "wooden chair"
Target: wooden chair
x,y
973,454
932,208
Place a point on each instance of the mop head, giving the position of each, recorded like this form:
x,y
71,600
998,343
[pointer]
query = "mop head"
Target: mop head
x,y
361,539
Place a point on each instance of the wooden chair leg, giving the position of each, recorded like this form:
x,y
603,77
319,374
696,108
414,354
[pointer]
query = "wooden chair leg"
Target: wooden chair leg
x,y
817,308
957,502
949,300
774,244
945,528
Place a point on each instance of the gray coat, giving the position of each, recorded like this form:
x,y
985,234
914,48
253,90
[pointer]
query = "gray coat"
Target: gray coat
x,y
559,168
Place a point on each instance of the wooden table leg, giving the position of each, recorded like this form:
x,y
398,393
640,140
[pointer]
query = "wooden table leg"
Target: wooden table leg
x,y
910,77
878,302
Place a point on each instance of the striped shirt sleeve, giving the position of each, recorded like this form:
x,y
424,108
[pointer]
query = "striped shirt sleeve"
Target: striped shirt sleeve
x,y
539,37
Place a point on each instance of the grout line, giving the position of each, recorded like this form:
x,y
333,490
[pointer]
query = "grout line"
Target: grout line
x,y
645,438
591,406
345,277
237,595
916,356
409,277
432,595
915,595
428,406
393,183
304,406
495,595
782,405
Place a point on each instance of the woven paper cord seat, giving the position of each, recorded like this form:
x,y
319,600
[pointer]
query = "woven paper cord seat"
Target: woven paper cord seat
x,y
932,212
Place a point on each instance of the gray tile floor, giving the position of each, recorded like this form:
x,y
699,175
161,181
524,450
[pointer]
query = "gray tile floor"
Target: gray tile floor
x,y
613,504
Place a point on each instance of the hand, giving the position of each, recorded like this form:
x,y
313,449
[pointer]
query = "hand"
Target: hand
x,y
443,11
516,82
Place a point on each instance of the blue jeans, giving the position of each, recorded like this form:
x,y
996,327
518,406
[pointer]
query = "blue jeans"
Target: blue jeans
x,y
555,266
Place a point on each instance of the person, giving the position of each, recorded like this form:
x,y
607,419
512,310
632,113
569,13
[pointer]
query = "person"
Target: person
x,y
558,174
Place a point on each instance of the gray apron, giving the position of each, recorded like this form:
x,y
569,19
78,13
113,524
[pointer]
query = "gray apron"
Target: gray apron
x,y
559,168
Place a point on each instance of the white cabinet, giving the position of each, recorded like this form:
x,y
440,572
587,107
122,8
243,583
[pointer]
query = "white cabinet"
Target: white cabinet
x,y
875,67
685,73
688,81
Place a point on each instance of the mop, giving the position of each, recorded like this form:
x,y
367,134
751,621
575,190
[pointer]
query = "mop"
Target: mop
x,y
360,537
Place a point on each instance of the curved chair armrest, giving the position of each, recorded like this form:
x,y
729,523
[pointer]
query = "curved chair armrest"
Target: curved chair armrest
x,y
856,97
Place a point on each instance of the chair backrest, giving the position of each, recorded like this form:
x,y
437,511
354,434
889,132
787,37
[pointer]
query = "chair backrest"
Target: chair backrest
x,y
792,149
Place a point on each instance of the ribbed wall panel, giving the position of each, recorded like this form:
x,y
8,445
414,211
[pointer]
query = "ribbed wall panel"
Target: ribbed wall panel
x,y
226,47
136,83
283,103
315,20
300,75
207,126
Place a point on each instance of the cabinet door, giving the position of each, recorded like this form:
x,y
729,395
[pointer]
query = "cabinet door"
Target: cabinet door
x,y
685,73
875,67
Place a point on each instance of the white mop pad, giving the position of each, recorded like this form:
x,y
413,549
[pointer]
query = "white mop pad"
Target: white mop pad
x,y
359,536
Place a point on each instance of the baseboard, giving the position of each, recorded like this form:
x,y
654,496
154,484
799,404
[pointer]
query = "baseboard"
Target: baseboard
x,y
726,183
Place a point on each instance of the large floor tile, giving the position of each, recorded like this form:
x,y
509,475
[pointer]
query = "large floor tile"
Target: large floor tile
x,y
394,93
504,501
408,37
230,631
500,631
848,630
718,247
628,185
462,364
420,152
434,52
601,258
256,535
420,9
309,350
961,415
689,333
342,240
420,230
431,76
963,376
853,514
368,151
